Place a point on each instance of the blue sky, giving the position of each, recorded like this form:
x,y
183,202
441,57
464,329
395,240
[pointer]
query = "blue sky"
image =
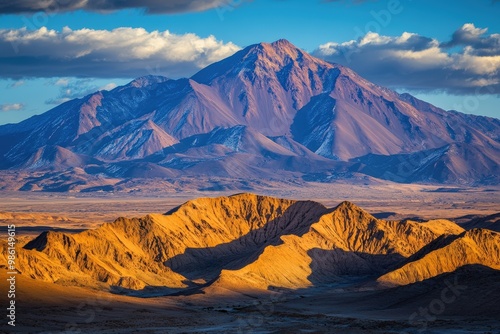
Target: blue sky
x,y
50,55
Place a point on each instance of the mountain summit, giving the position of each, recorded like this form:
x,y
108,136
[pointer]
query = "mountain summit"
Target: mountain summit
x,y
303,116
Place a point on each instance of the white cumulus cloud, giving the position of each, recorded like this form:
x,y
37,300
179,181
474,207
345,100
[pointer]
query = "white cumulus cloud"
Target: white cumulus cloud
x,y
11,107
467,64
122,52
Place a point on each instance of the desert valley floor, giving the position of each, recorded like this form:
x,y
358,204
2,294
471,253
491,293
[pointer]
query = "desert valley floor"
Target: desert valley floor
x,y
349,304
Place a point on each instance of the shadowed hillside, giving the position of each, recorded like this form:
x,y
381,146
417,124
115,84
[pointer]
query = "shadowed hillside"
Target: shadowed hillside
x,y
249,242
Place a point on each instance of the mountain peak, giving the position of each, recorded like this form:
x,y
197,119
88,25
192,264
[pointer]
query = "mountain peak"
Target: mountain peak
x,y
147,80
280,49
280,44
348,206
268,107
283,44
279,58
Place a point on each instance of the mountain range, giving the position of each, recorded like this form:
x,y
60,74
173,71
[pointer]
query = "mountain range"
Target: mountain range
x,y
247,242
268,112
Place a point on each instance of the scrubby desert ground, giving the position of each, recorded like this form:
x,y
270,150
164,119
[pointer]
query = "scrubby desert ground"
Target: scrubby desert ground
x,y
350,306
49,308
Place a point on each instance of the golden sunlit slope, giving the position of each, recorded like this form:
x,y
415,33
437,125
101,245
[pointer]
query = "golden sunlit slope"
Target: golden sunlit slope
x,y
248,241
131,253
447,254
344,242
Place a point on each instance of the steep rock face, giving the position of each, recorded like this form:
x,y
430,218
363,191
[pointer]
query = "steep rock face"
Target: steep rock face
x,y
344,242
134,139
448,254
313,123
220,230
191,108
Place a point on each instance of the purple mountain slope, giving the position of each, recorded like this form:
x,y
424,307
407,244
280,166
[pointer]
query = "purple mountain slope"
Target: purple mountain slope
x,y
267,108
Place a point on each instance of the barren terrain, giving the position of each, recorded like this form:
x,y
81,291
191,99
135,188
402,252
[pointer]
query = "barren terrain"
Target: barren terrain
x,y
350,304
